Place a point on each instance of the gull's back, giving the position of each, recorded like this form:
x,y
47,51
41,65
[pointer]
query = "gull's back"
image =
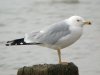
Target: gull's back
x,y
51,34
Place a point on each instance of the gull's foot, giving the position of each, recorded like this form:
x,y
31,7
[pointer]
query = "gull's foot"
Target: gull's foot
x,y
64,63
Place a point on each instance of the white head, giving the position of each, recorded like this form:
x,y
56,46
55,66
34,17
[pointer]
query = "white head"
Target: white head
x,y
78,21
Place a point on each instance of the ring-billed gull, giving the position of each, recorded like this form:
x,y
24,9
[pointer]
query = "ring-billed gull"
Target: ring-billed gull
x,y
56,36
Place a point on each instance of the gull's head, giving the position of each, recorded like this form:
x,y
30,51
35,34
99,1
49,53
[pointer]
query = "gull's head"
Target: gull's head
x,y
78,21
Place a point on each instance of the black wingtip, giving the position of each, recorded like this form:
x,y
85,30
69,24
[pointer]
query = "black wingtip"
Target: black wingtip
x,y
7,44
19,42
15,42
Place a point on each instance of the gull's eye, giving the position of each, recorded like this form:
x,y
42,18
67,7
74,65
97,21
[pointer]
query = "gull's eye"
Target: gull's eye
x,y
78,20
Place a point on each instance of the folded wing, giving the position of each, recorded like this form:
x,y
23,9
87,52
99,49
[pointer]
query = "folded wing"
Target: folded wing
x,y
49,35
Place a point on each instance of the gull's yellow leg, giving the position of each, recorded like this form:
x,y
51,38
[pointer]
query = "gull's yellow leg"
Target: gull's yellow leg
x,y
59,55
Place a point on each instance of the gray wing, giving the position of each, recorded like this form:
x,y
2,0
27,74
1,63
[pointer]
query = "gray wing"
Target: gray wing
x,y
51,34
29,37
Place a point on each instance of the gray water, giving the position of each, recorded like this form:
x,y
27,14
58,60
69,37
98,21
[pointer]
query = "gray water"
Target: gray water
x,y
18,17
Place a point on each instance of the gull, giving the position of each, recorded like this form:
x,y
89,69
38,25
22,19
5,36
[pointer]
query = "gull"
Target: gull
x,y
56,36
